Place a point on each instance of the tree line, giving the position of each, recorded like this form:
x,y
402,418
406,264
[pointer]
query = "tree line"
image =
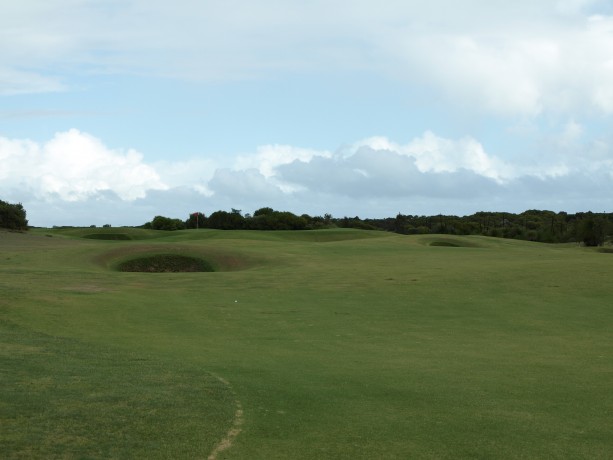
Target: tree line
x,y
591,229
542,226
533,225
262,219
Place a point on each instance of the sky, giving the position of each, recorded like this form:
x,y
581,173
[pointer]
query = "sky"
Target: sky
x,y
115,111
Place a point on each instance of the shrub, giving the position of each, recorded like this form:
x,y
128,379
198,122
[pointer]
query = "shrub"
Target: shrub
x,y
13,216
166,223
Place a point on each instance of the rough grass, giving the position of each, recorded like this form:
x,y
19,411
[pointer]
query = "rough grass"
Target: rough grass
x,y
376,347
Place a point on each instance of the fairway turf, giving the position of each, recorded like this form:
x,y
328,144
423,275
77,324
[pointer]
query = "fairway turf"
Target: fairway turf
x,y
336,343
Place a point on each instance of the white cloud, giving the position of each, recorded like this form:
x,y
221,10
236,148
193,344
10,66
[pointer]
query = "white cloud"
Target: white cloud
x,y
526,70
74,166
14,82
269,157
194,173
436,154
241,184
571,7
572,132
515,58
74,173
382,174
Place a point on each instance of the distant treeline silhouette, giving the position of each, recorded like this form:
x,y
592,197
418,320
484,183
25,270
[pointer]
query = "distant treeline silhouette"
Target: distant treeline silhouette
x,y
592,229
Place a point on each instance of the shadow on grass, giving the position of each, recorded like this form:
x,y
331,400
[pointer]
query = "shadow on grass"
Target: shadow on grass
x,y
163,263
108,236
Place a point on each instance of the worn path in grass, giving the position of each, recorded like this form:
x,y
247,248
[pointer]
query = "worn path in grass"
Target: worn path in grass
x,y
234,431
349,344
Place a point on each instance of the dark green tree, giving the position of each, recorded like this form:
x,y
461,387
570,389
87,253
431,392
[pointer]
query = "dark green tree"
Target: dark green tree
x,y
196,220
224,220
269,219
13,216
167,223
263,212
592,230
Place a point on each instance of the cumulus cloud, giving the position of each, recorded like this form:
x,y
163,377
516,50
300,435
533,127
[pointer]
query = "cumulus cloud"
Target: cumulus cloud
x,y
242,184
436,154
382,174
74,166
430,168
268,158
74,178
194,173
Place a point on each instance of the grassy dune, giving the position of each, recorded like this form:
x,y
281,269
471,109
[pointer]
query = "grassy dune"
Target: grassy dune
x,y
336,343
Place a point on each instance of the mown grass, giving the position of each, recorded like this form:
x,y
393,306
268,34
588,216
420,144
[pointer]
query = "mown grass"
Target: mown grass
x,y
63,398
345,346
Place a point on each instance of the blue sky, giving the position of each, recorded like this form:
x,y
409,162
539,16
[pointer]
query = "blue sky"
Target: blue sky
x,y
117,111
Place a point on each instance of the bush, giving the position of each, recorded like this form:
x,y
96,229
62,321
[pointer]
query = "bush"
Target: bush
x,y
13,216
223,220
166,223
592,231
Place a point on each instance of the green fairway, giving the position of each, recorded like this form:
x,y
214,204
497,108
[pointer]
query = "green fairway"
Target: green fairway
x,y
305,344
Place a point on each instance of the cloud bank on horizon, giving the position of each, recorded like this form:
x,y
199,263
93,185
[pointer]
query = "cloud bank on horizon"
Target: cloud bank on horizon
x,y
479,106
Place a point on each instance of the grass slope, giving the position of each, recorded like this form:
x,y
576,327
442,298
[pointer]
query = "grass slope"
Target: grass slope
x,y
340,344
104,233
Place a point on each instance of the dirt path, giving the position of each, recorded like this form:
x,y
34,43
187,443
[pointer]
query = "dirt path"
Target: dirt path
x,y
234,430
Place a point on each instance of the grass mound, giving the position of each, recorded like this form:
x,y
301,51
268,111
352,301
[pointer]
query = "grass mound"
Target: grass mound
x,y
128,233
329,235
164,263
108,236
